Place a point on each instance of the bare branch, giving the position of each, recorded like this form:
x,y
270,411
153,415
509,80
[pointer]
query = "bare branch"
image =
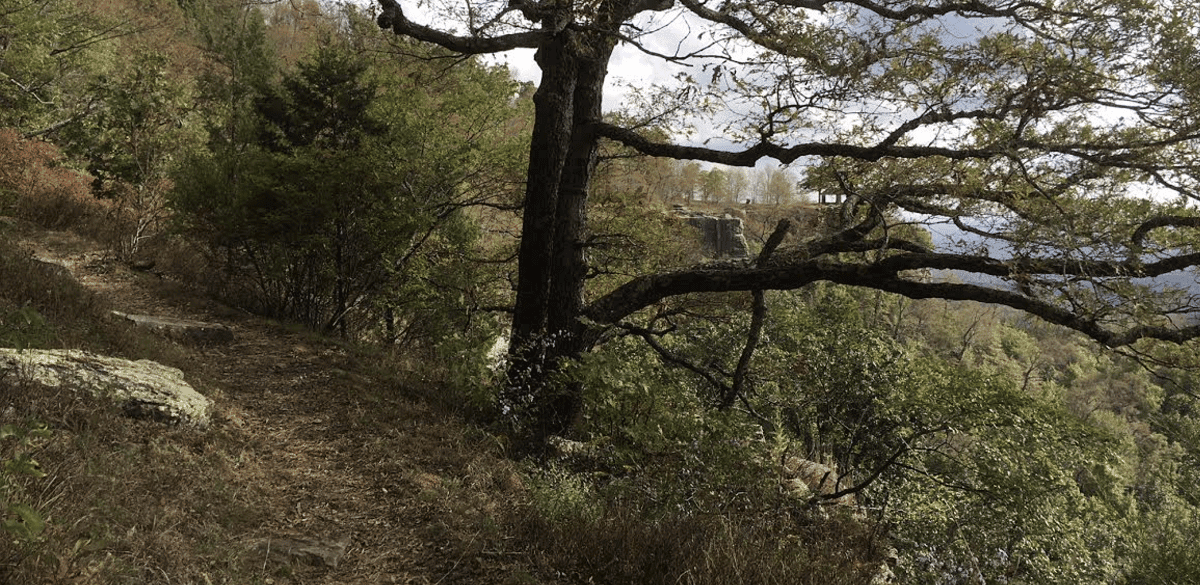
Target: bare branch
x,y
27,90
765,40
111,33
758,317
670,358
392,18
750,156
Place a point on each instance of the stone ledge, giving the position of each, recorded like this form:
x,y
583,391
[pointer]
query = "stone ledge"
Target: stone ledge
x,y
182,330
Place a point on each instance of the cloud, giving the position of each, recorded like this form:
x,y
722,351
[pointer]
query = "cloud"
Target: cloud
x,y
520,63
628,65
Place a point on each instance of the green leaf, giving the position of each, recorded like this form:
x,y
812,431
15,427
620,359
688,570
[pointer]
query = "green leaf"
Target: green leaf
x,y
23,464
24,522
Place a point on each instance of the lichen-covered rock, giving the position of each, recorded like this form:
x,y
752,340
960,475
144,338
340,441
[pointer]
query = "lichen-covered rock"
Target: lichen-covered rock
x,y
184,330
143,388
566,448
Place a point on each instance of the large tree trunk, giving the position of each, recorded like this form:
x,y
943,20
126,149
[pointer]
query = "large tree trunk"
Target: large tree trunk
x,y
550,140
547,331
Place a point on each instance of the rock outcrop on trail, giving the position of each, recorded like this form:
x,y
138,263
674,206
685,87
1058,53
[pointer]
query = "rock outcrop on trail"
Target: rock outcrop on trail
x,y
143,388
182,330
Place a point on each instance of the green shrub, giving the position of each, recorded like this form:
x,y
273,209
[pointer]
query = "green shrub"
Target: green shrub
x,y
24,327
669,490
601,538
561,497
20,523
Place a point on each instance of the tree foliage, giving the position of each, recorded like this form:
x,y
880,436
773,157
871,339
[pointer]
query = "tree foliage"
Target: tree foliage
x,y
346,192
1049,147
44,59
1023,130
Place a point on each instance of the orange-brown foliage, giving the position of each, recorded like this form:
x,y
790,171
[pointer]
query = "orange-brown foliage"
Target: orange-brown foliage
x,y
35,185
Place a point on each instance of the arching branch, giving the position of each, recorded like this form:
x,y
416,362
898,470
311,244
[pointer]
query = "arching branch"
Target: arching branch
x,y
885,275
393,18
725,15
1139,235
785,154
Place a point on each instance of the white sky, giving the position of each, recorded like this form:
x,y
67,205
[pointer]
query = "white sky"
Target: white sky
x,y
627,63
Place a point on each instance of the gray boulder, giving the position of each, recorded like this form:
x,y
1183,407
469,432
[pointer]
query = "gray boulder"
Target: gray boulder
x,y
143,388
182,330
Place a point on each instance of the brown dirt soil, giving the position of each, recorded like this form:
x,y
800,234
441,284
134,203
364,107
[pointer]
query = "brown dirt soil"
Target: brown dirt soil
x,y
331,447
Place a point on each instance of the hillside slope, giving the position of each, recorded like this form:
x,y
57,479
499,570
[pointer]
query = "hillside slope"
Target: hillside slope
x,y
314,442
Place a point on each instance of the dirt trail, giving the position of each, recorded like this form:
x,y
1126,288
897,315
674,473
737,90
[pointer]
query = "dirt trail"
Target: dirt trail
x,y
329,456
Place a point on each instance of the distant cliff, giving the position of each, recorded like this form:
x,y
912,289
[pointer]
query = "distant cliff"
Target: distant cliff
x,y
720,237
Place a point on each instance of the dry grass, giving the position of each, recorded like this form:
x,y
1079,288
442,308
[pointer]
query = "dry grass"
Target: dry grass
x,y
42,306
313,438
655,525
38,186
623,546
46,288
125,501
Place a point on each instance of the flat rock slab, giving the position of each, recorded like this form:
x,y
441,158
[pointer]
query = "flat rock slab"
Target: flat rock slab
x,y
183,330
312,551
143,388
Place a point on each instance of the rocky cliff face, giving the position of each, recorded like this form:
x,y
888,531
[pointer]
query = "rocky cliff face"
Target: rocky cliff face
x,y
721,237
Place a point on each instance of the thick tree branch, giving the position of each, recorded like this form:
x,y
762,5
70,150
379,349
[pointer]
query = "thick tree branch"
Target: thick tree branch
x,y
770,40
776,238
392,18
1099,153
1139,235
885,275
785,154
920,10
1036,266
